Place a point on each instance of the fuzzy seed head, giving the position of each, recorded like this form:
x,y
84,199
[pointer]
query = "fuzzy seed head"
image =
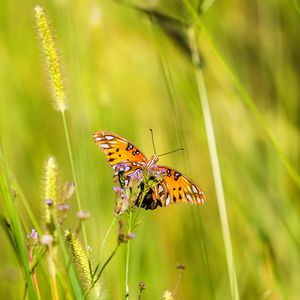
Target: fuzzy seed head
x,y
51,56
167,295
46,239
80,258
50,190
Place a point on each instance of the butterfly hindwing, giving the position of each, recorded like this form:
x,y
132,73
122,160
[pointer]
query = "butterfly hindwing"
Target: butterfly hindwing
x,y
119,151
174,188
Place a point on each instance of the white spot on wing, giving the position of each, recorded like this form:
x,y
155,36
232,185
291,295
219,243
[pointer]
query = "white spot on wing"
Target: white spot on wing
x,y
194,189
105,146
98,138
189,197
160,188
127,168
109,137
168,200
199,199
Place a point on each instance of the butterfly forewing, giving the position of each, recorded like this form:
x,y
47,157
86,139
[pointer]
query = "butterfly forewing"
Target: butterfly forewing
x,y
175,188
119,151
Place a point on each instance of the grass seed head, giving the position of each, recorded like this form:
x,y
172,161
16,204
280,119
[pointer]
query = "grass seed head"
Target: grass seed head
x,y
52,62
50,193
80,258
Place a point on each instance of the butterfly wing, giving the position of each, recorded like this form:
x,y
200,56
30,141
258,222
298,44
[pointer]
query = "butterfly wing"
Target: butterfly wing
x,y
119,151
174,188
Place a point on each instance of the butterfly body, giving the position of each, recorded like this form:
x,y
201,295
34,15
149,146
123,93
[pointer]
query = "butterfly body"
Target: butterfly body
x,y
173,186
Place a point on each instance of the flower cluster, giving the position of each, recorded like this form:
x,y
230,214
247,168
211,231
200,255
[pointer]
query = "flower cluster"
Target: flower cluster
x,y
131,188
33,237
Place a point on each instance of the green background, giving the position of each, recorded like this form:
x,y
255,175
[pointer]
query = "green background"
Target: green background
x,y
126,73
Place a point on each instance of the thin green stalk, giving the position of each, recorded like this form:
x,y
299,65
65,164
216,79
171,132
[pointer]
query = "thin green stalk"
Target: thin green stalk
x,y
14,219
297,6
73,173
168,78
128,256
20,193
107,234
215,163
246,97
253,108
101,270
53,282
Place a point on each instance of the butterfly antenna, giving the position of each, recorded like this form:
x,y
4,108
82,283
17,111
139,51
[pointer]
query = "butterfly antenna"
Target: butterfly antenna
x,y
153,144
179,149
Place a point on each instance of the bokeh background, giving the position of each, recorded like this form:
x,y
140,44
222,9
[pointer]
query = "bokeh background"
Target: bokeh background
x,y
128,70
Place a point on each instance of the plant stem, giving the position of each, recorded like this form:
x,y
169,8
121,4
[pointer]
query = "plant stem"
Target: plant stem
x,y
73,173
101,270
52,270
215,163
107,234
128,256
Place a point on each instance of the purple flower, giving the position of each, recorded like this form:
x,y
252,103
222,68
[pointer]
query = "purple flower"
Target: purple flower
x,y
118,189
120,167
159,172
63,207
49,202
120,192
33,235
121,200
137,175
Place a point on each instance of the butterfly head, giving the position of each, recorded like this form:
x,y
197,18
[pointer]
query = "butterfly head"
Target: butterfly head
x,y
152,161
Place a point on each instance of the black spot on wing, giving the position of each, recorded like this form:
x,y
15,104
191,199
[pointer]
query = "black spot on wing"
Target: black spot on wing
x,y
129,147
176,175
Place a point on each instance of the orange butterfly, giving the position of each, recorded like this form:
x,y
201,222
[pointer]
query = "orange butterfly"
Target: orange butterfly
x,y
173,188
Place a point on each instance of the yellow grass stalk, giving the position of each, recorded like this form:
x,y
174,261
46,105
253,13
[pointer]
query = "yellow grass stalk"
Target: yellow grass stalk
x,y
53,66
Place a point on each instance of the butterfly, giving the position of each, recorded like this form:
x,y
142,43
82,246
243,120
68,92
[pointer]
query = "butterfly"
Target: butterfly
x,y
173,188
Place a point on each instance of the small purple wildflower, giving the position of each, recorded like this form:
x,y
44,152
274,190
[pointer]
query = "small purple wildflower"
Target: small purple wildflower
x,y
152,170
120,192
130,236
159,172
49,202
118,189
121,200
120,167
137,175
63,207
33,235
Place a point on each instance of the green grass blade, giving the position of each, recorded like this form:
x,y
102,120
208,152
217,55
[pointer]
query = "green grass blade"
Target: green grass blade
x,y
215,164
16,228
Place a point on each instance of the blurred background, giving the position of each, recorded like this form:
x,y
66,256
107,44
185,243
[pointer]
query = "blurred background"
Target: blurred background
x,y
127,68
